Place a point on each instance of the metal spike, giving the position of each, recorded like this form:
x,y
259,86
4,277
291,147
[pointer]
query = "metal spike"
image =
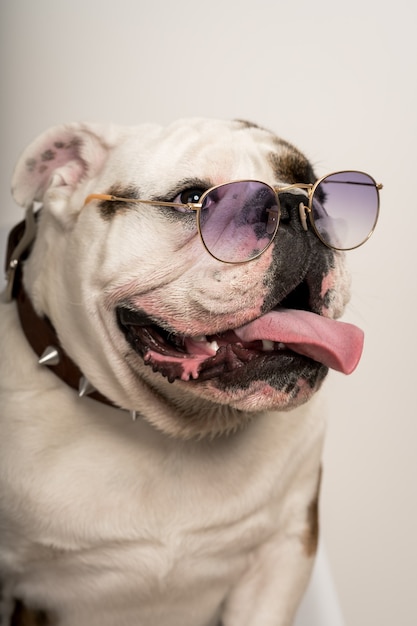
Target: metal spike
x,y
50,356
85,387
134,415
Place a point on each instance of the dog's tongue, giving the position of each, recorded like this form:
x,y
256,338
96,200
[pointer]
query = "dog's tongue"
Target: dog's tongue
x,y
337,345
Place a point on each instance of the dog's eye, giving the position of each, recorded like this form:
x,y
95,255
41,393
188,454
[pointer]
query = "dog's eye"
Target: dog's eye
x,y
189,195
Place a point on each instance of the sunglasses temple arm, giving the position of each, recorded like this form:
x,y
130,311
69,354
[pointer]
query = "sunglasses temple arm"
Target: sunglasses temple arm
x,y
109,198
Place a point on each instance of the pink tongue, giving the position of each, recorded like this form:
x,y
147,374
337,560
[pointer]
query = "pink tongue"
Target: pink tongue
x,y
335,344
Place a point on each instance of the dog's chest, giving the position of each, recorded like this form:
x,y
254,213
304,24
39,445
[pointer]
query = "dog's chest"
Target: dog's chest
x,y
122,514
159,497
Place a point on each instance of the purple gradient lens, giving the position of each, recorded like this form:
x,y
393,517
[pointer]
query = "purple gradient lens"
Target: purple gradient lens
x,y
238,220
345,209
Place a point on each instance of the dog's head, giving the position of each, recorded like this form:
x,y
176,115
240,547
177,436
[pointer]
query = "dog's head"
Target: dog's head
x,y
138,302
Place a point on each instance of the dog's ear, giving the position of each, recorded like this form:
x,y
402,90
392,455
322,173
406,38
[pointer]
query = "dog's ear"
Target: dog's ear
x,y
59,160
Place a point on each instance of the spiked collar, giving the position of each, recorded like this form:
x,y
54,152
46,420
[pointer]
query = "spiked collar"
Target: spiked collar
x,y
39,331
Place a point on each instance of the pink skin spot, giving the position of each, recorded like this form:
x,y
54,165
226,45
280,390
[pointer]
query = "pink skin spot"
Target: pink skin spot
x,y
328,284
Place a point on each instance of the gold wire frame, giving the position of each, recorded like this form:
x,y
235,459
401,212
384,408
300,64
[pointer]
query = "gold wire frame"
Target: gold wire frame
x,y
311,188
303,209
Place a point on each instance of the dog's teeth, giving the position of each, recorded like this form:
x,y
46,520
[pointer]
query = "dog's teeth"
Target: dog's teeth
x,y
200,339
214,346
85,387
134,415
281,346
267,345
50,356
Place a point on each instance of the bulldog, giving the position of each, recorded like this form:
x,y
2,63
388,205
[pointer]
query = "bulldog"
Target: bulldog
x,y
171,312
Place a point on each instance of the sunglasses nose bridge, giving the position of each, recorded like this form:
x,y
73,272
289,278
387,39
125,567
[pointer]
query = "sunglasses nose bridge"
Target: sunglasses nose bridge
x,y
294,204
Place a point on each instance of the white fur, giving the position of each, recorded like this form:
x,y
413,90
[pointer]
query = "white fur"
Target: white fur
x,y
105,521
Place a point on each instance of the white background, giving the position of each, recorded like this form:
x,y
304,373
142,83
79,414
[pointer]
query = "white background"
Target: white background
x,y
339,81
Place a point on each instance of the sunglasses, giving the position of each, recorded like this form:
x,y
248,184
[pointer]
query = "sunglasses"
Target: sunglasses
x,y
238,221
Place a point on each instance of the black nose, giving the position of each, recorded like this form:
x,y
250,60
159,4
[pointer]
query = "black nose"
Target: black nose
x,y
289,204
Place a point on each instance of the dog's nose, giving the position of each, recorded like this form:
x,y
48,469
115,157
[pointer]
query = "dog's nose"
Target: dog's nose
x,y
291,211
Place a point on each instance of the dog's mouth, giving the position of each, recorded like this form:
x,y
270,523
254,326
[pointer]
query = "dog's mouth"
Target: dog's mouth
x,y
281,334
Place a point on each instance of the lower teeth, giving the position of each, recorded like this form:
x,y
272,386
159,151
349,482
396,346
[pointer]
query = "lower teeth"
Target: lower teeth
x,y
270,346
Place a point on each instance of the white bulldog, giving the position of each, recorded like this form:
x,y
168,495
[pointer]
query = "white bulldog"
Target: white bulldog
x,y
211,333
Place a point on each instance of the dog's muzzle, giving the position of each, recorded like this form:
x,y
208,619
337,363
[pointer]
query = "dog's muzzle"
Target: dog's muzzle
x,y
281,334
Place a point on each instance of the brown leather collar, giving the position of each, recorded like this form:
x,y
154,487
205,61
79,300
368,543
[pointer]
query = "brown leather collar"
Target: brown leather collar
x,y
39,331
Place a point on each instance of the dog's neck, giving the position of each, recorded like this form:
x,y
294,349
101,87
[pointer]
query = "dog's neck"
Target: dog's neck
x,y
39,331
